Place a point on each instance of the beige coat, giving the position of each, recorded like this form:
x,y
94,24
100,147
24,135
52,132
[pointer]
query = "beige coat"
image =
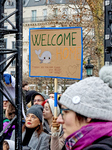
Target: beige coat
x,y
57,142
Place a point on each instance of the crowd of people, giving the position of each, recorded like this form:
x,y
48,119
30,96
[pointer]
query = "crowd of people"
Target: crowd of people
x,y
83,122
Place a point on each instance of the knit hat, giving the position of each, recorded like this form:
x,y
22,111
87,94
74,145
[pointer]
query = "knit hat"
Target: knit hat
x,y
43,95
37,110
90,97
105,74
51,104
29,95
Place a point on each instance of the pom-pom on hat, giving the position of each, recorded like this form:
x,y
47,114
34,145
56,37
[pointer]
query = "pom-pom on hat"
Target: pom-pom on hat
x,y
90,97
37,110
105,74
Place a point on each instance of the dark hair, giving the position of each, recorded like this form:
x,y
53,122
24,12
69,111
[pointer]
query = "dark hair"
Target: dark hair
x,y
80,118
51,93
7,144
24,83
33,96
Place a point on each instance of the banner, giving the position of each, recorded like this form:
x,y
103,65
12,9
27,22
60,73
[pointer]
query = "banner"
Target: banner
x,y
56,52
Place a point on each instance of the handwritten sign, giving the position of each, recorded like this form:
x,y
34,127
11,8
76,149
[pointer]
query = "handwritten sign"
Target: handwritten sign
x,y
56,52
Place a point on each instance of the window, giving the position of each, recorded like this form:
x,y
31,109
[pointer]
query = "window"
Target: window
x,y
13,45
34,15
65,13
48,1
14,61
55,12
5,46
45,14
10,3
24,1
5,15
77,15
5,43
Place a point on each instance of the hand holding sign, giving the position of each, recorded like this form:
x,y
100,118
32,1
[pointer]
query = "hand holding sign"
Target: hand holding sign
x,y
55,125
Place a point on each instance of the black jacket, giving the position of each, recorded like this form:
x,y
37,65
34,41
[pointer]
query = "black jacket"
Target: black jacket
x,y
104,143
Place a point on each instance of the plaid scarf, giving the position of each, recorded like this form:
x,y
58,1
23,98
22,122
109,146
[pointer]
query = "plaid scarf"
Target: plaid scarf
x,y
87,135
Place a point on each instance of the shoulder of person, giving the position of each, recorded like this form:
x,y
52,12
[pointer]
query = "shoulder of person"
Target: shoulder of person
x,y
5,120
43,134
104,143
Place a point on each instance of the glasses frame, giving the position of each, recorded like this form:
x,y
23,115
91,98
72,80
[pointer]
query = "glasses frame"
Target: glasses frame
x,y
38,100
63,109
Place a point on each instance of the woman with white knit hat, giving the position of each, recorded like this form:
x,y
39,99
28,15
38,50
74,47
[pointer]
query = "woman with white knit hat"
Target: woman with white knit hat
x,y
48,114
86,115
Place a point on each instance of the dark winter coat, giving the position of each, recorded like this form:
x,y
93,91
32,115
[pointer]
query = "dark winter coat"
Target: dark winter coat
x,y
104,143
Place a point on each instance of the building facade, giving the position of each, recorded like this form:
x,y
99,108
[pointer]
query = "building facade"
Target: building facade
x,y
45,13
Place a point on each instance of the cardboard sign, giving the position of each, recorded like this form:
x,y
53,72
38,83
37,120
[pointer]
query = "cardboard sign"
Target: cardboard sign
x,y
56,52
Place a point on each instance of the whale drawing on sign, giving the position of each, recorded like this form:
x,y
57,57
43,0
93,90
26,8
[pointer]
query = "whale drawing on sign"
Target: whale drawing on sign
x,y
45,57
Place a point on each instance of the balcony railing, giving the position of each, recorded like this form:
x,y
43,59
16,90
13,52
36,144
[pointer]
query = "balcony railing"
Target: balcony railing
x,y
45,18
51,18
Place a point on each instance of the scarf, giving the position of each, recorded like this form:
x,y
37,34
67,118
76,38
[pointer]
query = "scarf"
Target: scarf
x,y
87,135
28,135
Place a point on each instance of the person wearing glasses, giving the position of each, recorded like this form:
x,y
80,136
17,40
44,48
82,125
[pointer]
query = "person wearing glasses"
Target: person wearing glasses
x,y
86,115
39,98
33,137
33,98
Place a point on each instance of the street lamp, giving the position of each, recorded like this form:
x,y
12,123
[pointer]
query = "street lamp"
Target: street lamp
x,y
89,68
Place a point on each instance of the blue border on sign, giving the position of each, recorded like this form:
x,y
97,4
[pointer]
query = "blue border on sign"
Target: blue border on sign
x,y
56,76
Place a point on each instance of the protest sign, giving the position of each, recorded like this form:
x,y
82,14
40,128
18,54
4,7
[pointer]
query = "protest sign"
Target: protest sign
x,y
56,52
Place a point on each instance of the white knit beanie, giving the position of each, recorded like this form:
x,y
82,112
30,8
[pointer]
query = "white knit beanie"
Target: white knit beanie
x,y
51,104
90,97
105,74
